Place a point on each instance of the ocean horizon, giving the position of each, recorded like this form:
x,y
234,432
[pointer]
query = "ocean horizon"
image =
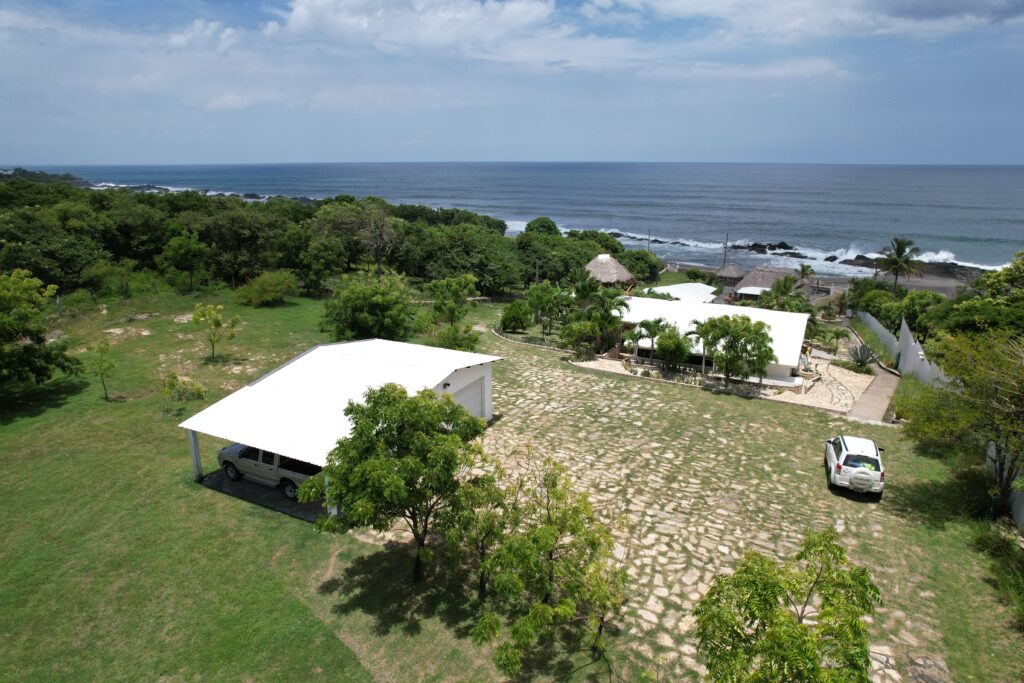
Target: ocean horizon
x,y
967,214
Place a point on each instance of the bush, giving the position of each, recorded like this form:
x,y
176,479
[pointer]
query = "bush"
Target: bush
x,y
862,356
580,339
460,338
76,303
178,390
644,265
272,287
368,307
853,367
516,316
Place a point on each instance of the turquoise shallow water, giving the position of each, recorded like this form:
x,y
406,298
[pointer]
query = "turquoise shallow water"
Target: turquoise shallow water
x,y
969,214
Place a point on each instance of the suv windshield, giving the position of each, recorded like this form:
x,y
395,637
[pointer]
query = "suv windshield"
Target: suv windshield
x,y
865,461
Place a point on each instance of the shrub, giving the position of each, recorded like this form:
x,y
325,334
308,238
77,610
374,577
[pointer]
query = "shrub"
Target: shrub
x,y
644,265
1007,565
272,287
853,367
460,338
76,303
580,339
369,307
178,390
516,316
862,356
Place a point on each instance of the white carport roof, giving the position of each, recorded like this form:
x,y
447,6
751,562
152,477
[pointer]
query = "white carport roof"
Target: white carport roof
x,y
787,329
298,409
689,291
752,291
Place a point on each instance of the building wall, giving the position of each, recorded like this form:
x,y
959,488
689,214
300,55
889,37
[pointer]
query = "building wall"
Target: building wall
x,y
460,379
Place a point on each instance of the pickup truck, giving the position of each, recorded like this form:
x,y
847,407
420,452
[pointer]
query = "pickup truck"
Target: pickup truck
x,y
264,467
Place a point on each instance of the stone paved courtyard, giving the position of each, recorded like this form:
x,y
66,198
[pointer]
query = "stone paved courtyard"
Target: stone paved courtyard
x,y
703,479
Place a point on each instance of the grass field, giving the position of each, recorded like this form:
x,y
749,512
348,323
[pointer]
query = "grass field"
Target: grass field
x,y
114,565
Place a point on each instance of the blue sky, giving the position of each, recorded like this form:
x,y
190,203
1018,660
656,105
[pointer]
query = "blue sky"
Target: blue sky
x,y
201,81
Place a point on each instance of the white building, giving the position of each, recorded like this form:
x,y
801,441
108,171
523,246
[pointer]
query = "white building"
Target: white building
x,y
786,329
298,410
696,292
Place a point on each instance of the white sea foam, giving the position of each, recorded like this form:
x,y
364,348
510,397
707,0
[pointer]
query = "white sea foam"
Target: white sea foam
x,y
515,227
946,256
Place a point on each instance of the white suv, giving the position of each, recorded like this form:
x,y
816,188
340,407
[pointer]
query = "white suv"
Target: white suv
x,y
855,463
270,469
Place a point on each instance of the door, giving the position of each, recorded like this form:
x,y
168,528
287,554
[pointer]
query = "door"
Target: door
x,y
266,467
249,461
471,397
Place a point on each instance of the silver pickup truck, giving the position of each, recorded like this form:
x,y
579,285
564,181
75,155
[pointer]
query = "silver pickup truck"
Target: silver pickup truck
x,y
270,469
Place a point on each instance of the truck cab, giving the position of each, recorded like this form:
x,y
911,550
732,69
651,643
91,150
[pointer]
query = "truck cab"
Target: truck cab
x,y
265,467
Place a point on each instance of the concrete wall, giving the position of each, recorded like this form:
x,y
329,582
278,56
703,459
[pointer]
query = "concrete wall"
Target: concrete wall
x,y
460,379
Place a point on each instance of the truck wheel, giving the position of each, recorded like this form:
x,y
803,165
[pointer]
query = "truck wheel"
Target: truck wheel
x,y
291,491
231,472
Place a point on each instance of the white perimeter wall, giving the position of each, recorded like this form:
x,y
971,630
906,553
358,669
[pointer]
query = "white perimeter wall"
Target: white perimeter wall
x,y
460,379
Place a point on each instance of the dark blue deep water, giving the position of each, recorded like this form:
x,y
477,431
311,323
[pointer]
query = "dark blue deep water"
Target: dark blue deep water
x,y
969,214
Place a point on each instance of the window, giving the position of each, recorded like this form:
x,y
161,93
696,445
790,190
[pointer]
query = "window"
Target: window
x,y
249,453
865,461
293,465
268,458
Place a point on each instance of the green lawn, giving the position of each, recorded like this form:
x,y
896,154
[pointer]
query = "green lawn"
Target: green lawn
x,y
114,565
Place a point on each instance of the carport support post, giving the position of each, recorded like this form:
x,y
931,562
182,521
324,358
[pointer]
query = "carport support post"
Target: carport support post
x,y
197,462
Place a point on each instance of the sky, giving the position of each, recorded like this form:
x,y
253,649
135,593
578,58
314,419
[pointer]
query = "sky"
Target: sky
x,y
206,81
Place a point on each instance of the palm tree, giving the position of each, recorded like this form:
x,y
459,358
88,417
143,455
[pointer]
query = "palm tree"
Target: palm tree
x,y
804,271
584,287
783,296
649,329
605,308
898,259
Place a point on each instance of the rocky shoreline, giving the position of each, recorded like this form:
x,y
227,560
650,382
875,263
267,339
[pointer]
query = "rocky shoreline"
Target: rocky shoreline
x,y
955,271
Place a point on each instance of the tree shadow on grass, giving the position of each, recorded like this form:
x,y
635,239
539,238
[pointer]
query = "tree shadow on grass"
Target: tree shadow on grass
x,y
963,495
224,359
25,399
380,585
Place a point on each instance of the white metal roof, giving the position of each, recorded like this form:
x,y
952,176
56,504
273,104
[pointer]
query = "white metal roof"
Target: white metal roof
x,y
753,291
787,329
689,291
298,409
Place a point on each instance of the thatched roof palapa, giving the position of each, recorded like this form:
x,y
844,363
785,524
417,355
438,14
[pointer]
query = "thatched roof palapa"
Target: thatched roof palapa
x,y
762,277
730,272
607,270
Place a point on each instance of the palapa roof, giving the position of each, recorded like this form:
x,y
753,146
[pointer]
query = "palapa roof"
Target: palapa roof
x,y
730,272
762,277
607,270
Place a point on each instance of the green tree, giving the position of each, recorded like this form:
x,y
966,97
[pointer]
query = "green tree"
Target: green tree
x,y
24,351
342,222
366,307
798,621
184,253
644,265
516,316
581,338
101,364
915,304
211,318
673,347
804,271
898,259
647,329
324,256
451,298
544,226
555,570
783,296
739,346
546,301
980,410
380,233
405,458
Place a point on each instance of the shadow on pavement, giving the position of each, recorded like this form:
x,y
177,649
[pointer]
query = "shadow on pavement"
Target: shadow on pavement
x,y
264,496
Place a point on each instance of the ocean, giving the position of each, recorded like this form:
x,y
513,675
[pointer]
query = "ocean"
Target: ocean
x,y
973,215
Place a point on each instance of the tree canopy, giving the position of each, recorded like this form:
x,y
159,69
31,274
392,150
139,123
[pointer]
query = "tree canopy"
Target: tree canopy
x,y
367,307
24,350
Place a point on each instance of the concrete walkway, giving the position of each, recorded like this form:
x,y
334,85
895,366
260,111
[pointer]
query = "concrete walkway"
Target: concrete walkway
x,y
874,402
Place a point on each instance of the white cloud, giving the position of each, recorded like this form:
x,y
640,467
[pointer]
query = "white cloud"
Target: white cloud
x,y
203,33
771,71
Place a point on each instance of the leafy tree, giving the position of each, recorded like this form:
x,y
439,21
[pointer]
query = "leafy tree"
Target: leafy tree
x,y
916,304
325,255
366,307
24,351
546,301
802,620
783,296
271,287
104,277
544,226
184,253
553,571
607,243
673,347
739,346
452,298
580,338
101,364
516,316
980,411
406,458
342,222
211,318
483,513
644,265
898,259
883,305
380,234
457,337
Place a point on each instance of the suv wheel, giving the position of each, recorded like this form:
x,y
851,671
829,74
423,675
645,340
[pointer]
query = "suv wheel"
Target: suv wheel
x,y
231,472
291,491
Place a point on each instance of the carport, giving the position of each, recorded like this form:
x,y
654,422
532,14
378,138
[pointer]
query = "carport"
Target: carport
x,y
298,409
